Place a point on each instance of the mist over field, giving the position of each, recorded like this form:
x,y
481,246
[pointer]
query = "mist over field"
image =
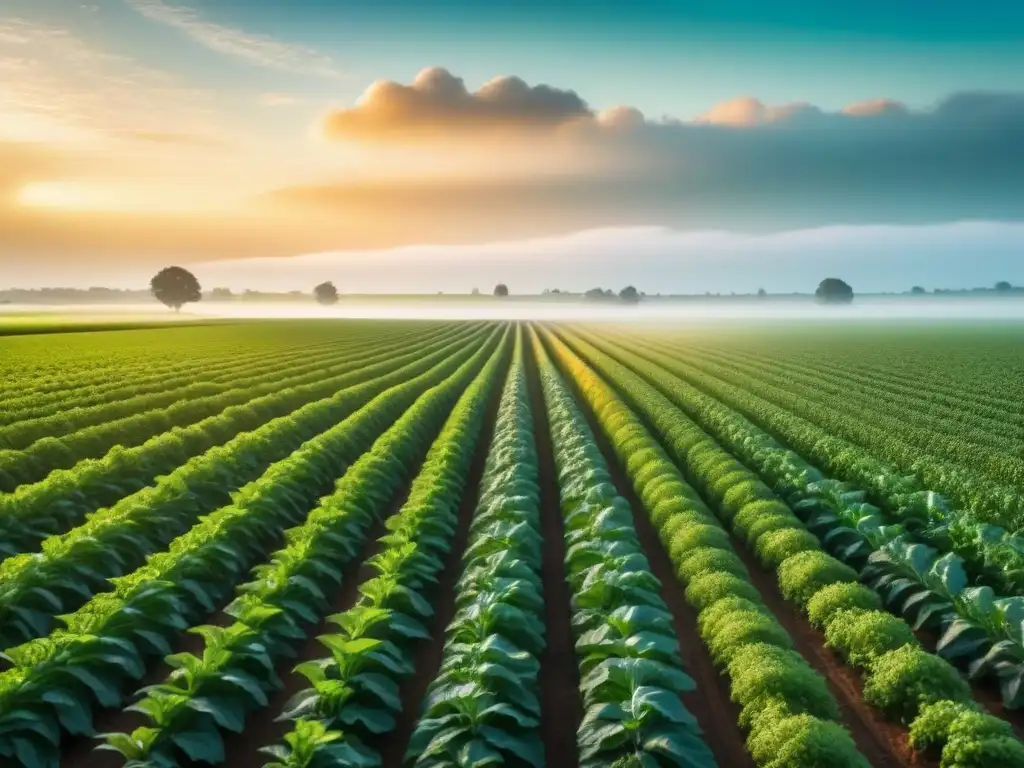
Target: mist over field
x,y
694,311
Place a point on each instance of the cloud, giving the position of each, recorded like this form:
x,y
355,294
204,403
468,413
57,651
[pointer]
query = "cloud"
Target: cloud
x,y
437,168
260,50
875,107
748,111
743,165
438,104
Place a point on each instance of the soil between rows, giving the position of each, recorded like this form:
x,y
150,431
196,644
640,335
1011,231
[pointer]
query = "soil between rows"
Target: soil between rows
x,y
710,704
560,705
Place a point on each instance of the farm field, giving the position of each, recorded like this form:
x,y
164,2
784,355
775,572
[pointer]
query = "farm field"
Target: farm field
x,y
312,543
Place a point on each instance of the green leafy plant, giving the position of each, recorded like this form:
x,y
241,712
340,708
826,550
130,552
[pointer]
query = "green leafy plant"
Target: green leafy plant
x,y
861,636
842,596
902,681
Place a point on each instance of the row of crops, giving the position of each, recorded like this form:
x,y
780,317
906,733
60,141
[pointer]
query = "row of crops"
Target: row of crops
x,y
312,544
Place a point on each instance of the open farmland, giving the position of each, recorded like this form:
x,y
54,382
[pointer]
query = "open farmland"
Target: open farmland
x,y
389,543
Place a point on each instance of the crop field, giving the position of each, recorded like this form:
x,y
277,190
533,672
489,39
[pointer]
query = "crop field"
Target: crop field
x,y
348,544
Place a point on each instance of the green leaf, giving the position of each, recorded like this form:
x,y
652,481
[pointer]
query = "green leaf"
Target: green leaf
x,y
204,746
526,748
227,713
681,748
122,743
648,699
477,754
74,716
374,719
247,683
106,693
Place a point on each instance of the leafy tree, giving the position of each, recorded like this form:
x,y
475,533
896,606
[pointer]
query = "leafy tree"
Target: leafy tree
x,y
917,290
832,290
761,293
594,294
175,287
501,290
475,291
221,294
1003,286
326,293
630,295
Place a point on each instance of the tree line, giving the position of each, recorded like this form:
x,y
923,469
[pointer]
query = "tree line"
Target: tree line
x,y
176,286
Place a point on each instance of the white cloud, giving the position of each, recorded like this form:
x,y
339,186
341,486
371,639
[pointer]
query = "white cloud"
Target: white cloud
x,y
261,50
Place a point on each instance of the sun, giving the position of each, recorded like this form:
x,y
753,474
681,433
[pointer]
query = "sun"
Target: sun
x,y
57,194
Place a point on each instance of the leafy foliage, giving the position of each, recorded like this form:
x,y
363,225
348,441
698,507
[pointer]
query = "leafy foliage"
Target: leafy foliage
x,y
631,670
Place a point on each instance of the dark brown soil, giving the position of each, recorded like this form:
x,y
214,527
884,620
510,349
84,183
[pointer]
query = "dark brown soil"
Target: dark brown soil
x,y
428,656
561,708
716,714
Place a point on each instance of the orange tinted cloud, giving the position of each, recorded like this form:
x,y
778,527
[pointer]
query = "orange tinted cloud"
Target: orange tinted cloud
x,y
438,104
874,108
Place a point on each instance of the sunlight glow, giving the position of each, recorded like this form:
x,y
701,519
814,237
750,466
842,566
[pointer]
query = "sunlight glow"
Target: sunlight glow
x,y
105,197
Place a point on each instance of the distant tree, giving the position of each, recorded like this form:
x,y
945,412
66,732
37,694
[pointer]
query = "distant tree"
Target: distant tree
x,y
555,290
761,292
594,294
475,292
221,294
1003,286
832,290
609,293
630,295
917,290
175,287
326,293
501,290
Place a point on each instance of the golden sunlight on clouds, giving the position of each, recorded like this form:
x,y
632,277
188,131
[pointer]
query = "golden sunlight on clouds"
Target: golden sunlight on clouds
x,y
437,105
746,111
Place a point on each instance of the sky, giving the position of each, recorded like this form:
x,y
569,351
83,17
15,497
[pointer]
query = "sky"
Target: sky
x,y
413,146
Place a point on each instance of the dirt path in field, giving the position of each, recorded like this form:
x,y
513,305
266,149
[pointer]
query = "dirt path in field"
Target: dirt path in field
x,y
717,716
428,655
560,704
242,749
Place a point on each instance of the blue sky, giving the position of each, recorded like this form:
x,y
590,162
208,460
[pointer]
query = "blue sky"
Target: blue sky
x,y
181,121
